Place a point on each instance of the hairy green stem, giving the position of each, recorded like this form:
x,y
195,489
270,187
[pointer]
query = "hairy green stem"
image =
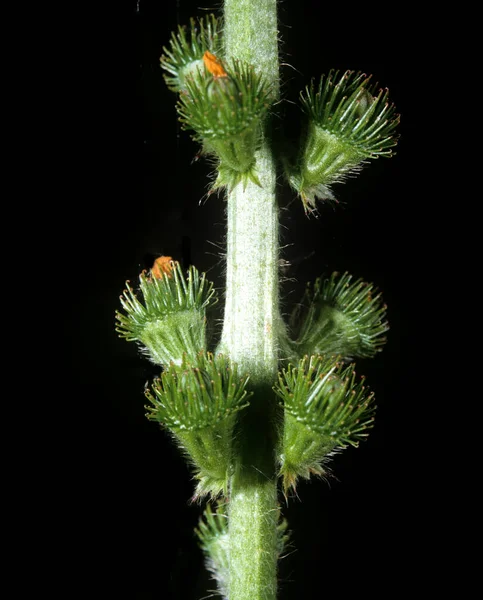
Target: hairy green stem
x,y
253,509
251,306
251,324
251,34
252,533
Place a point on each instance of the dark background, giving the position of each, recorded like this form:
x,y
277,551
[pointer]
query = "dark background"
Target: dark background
x,y
349,535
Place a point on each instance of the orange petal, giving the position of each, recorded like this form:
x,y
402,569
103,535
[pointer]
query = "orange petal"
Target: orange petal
x,y
162,265
213,64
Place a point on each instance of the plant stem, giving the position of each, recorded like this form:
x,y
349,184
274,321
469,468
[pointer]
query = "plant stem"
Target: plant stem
x,y
251,305
251,34
251,318
253,509
251,324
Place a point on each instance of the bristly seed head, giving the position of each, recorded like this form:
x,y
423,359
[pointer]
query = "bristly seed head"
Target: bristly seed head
x,y
349,121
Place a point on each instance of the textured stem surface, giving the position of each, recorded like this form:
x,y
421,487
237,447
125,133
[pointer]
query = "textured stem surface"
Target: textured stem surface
x,y
251,34
253,509
251,305
251,321
251,311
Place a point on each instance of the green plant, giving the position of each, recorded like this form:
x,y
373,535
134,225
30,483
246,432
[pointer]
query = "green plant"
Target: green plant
x,y
273,400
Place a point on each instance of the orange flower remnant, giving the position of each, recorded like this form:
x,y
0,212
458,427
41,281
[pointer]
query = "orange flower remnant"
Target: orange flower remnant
x,y
163,265
214,66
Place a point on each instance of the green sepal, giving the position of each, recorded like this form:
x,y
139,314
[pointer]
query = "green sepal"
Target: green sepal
x,y
228,178
186,49
283,536
340,318
350,121
214,540
304,452
220,108
326,160
171,320
325,409
226,114
198,402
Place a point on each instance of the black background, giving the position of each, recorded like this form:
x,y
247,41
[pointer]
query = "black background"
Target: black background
x,y
349,535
